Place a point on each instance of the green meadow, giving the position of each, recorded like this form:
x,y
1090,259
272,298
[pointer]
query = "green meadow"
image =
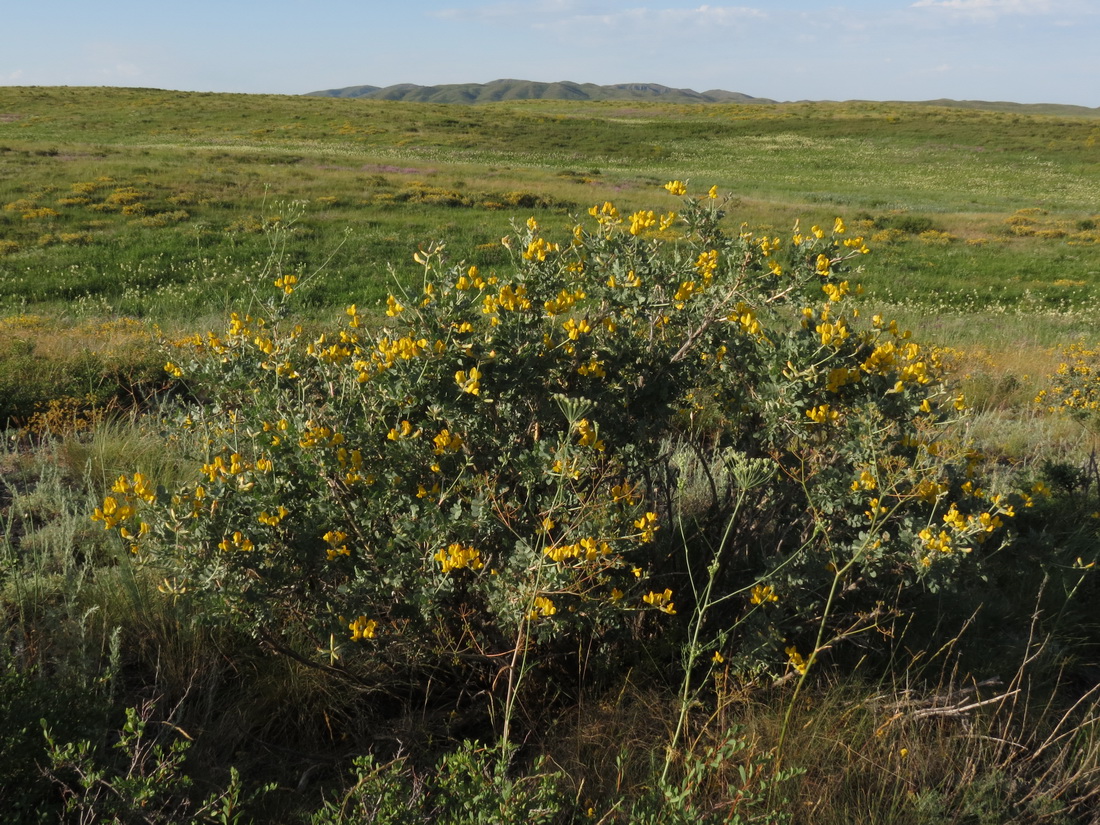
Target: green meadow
x,y
152,204
164,254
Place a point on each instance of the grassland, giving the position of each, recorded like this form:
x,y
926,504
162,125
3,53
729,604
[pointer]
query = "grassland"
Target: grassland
x,y
151,203
130,213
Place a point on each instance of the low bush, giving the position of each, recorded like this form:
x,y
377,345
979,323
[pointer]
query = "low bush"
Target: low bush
x,y
649,431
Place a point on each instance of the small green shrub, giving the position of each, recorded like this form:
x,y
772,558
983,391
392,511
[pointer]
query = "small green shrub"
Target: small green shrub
x,y
468,786
475,784
142,778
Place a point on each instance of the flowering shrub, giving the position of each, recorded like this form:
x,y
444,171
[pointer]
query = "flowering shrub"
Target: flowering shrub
x,y
505,462
1075,385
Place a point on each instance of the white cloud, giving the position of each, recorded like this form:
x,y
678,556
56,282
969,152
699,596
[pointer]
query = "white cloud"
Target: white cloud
x,y
554,13
706,15
990,9
509,9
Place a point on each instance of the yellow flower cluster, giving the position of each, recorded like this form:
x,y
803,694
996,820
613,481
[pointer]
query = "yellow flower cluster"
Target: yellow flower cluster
x,y
335,353
458,556
822,414
219,469
139,487
564,301
588,435
388,352
543,608
1075,385
762,594
605,215
237,541
472,280
538,249
469,381
588,549
363,628
317,435
832,332
574,328
286,283
796,661
447,442
962,528
745,316
623,492
403,432
662,601
646,219
866,481
273,519
707,264
649,527
840,377
930,491
337,544
112,513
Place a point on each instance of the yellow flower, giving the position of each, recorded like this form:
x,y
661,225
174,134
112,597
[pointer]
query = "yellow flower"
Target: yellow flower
x,y
662,601
469,381
402,431
575,329
538,249
866,481
237,541
796,660
589,435
446,441
393,308
543,608
623,492
457,556
822,414
286,283
641,221
648,525
763,593
676,187
712,193
363,628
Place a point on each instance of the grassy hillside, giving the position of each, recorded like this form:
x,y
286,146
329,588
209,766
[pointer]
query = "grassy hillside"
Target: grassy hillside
x,y
152,203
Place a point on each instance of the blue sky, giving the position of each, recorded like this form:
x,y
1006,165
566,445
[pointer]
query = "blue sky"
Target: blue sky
x,y
1027,51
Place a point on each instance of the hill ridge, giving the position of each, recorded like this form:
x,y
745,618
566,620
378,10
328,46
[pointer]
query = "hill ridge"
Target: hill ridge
x,y
515,89
506,89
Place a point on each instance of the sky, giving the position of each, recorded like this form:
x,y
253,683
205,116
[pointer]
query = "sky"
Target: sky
x,y
1024,51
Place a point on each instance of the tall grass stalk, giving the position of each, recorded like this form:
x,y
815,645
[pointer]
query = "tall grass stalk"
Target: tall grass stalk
x,y
745,474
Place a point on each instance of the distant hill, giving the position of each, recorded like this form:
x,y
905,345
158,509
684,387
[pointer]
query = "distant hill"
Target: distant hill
x,y
567,90
530,90
1019,108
